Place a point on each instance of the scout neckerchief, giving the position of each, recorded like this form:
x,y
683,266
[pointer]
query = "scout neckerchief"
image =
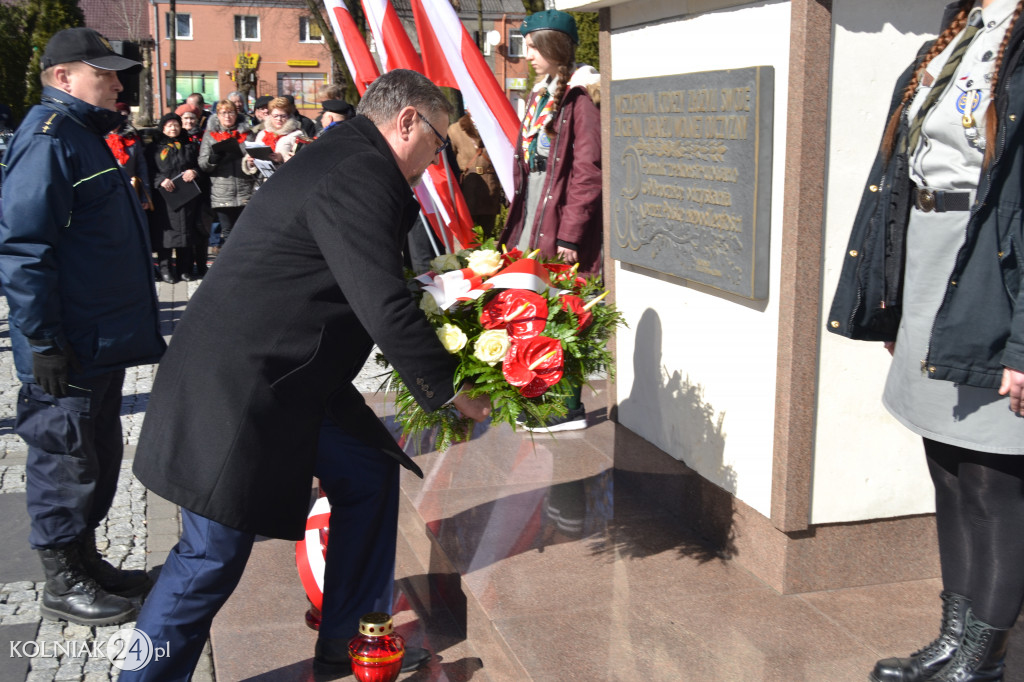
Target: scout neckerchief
x,y
939,86
537,116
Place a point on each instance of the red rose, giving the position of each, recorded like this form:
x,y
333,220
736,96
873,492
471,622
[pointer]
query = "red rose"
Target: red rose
x,y
574,304
523,313
534,365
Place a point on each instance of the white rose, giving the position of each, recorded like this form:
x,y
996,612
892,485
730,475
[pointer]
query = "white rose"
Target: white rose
x,y
491,346
452,338
429,305
445,263
485,262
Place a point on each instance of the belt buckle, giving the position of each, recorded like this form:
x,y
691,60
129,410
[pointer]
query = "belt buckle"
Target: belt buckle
x,y
926,200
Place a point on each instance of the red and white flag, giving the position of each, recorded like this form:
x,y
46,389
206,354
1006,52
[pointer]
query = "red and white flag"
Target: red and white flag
x,y
493,115
350,39
393,44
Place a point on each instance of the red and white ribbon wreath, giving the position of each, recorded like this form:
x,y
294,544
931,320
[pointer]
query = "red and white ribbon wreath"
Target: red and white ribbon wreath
x,y
465,285
311,552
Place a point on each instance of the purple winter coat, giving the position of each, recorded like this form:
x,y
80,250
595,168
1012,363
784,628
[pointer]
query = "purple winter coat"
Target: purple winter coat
x,y
570,210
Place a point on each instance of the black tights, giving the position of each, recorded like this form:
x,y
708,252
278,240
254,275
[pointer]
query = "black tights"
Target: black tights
x,y
979,511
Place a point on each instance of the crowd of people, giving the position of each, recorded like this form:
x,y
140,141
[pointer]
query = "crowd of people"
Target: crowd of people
x,y
197,170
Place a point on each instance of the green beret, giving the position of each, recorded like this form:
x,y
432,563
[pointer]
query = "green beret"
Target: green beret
x,y
551,20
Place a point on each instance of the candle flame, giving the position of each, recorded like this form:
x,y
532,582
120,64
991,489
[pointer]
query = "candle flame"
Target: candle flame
x,y
536,363
595,301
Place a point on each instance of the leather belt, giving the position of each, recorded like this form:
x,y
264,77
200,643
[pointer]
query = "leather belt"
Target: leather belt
x,y
940,201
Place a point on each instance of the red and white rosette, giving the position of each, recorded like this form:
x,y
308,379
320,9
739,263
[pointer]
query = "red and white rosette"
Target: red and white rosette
x,y
311,551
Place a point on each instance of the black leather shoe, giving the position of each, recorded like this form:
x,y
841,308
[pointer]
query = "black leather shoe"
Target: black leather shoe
x,y
71,595
331,657
133,583
186,277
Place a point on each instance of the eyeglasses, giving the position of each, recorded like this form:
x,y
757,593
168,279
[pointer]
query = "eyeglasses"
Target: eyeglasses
x,y
445,142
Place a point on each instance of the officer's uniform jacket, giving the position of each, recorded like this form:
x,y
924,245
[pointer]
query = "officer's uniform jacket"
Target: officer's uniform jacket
x,y
75,258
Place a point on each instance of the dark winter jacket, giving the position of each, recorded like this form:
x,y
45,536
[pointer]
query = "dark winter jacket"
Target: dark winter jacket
x,y
977,329
310,280
231,183
74,249
171,157
570,206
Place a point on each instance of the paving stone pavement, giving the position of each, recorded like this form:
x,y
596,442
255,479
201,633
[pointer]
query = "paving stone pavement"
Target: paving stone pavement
x,y
62,651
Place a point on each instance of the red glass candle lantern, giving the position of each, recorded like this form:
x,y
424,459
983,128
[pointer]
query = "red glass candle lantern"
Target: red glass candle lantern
x,y
377,651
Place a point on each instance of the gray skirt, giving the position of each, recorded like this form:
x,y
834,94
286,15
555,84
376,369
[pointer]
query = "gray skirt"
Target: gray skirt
x,y
965,416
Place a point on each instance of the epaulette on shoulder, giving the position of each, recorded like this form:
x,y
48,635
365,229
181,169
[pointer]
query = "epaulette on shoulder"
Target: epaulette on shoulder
x,y
50,124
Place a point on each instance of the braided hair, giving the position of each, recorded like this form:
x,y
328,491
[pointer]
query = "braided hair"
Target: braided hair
x,y
955,26
559,50
991,117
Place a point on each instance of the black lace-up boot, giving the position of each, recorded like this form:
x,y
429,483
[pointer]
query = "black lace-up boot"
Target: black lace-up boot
x,y
132,583
980,656
929,660
70,594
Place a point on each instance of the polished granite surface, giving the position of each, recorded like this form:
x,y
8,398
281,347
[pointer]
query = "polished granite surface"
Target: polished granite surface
x,y
558,558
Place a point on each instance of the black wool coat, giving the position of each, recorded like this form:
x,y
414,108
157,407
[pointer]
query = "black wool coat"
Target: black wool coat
x,y
270,342
171,158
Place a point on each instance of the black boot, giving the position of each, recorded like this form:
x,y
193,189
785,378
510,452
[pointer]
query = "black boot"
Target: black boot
x,y
929,660
122,583
980,656
70,594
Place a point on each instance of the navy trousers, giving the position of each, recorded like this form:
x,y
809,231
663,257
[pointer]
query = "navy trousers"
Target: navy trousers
x,y
75,449
206,565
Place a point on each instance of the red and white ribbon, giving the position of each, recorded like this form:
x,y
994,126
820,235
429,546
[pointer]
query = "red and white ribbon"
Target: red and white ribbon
x,y
311,553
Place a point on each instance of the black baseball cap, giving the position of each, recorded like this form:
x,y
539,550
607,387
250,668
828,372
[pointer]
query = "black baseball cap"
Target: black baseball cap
x,y
84,45
262,102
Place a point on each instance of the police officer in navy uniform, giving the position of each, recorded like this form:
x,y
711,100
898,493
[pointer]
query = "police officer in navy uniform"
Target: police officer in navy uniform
x,y
74,264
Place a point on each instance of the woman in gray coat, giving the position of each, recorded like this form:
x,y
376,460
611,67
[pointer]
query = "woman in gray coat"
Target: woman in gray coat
x,y
232,176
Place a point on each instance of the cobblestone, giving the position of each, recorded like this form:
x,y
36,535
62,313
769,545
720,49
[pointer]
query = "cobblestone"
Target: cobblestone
x,y
66,649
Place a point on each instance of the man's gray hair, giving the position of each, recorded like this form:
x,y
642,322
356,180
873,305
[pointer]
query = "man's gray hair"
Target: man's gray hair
x,y
401,88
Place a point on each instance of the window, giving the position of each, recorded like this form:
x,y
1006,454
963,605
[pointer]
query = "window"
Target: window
x,y
183,23
302,86
309,31
515,43
247,28
203,82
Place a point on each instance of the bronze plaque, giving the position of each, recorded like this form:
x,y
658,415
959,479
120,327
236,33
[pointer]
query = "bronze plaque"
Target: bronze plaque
x,y
691,179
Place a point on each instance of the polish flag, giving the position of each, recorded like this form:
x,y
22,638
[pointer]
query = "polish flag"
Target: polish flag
x,y
449,213
435,66
492,113
350,39
393,44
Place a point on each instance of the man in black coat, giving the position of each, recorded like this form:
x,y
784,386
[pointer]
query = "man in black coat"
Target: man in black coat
x,y
269,345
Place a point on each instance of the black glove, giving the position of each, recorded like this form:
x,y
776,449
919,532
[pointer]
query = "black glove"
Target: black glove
x,y
50,369
215,158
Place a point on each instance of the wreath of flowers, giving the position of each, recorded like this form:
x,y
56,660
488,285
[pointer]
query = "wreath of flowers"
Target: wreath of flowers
x,y
527,331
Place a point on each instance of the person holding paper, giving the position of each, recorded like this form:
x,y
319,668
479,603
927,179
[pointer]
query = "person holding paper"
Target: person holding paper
x,y
222,156
281,131
177,199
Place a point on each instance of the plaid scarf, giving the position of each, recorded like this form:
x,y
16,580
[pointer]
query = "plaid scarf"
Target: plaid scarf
x,y
537,116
